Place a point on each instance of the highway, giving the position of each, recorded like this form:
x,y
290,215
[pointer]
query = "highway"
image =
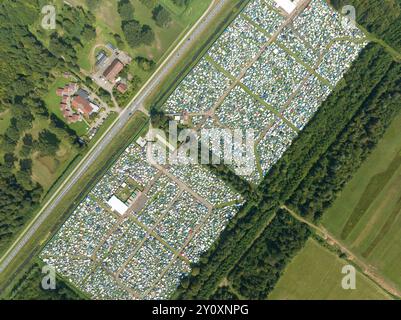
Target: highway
x,y
185,45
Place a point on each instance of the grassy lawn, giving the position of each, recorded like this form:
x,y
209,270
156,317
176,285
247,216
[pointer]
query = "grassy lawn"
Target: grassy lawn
x,y
109,23
52,101
367,215
136,126
189,15
5,118
315,274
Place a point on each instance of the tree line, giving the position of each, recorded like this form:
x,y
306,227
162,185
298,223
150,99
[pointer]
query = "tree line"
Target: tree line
x,y
382,18
27,69
253,268
135,33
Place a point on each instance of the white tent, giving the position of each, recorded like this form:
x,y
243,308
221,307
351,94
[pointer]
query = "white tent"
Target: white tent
x,y
287,5
117,205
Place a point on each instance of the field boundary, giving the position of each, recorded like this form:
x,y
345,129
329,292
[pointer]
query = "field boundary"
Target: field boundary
x,y
366,269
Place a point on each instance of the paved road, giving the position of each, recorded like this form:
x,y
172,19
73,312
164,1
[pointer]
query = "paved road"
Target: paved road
x,y
160,75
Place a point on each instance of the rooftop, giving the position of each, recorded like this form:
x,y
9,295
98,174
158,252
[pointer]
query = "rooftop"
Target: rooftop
x,y
117,205
113,70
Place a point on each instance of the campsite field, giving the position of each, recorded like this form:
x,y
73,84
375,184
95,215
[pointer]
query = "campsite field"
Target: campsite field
x,y
315,273
367,215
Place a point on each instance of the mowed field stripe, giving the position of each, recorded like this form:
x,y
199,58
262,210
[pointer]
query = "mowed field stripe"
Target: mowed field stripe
x,y
384,230
378,212
372,191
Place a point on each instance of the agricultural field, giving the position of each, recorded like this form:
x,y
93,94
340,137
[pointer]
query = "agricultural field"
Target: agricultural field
x,y
281,70
367,214
315,274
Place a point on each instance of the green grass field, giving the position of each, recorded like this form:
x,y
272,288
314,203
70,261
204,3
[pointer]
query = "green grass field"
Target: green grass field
x,y
109,23
5,118
52,101
315,274
136,126
46,170
367,215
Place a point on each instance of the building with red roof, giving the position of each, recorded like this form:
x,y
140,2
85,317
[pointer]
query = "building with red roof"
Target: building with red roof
x,y
113,70
60,92
81,105
122,87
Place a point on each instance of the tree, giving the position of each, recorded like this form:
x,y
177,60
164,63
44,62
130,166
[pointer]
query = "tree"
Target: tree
x,y
137,34
48,143
147,35
28,140
181,3
144,63
88,33
26,165
126,10
9,160
25,151
161,16
119,40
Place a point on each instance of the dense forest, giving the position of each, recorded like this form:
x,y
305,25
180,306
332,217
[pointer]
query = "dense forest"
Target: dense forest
x,y
320,187
30,58
357,100
382,18
29,287
260,268
136,34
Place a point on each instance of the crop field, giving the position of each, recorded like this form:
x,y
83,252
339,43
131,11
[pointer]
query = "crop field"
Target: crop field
x,y
315,274
367,215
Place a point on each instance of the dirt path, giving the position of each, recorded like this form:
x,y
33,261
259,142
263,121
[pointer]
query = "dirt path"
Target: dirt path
x,y
367,269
